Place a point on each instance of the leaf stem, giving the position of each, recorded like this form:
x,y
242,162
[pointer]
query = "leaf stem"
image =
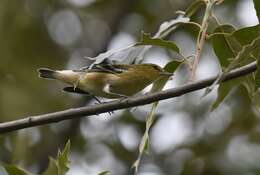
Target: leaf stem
x,y
201,36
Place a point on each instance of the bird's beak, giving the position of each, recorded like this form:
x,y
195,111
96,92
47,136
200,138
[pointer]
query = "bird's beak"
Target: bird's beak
x,y
166,73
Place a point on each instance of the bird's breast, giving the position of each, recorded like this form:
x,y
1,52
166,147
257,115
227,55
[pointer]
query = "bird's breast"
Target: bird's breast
x,y
95,82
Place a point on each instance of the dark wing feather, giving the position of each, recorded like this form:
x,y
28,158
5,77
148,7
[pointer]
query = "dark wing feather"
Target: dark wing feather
x,y
76,90
105,68
71,89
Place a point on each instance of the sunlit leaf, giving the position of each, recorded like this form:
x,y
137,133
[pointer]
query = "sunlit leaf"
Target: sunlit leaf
x,y
104,173
157,86
63,159
61,165
16,170
169,26
148,40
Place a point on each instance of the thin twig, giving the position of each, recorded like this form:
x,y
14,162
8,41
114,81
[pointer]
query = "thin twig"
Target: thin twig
x,y
119,104
201,37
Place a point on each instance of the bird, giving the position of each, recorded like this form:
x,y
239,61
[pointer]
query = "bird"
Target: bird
x,y
111,81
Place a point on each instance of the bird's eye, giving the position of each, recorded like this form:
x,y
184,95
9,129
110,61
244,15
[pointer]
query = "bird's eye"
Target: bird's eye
x,y
157,68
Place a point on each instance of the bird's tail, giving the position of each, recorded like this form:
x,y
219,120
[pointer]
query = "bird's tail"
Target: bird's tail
x,y
47,73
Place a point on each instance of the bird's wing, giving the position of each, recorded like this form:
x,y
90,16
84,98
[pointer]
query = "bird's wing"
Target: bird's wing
x,y
76,90
105,68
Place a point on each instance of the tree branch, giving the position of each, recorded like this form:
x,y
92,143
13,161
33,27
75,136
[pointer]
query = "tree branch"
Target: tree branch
x,y
119,104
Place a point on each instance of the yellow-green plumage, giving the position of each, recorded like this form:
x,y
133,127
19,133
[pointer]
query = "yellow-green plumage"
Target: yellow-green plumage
x,y
130,79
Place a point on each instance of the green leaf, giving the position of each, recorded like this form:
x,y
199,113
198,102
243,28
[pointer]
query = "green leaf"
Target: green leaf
x,y
148,40
249,83
223,44
61,165
63,159
56,167
52,167
157,86
223,91
144,145
227,41
16,170
104,173
241,56
257,8
194,7
246,35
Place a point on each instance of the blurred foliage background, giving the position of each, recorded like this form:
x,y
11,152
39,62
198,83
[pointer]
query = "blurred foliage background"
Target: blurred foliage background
x,y
186,138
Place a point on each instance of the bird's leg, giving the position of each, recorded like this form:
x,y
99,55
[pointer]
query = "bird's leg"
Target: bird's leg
x,y
100,102
94,97
79,91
